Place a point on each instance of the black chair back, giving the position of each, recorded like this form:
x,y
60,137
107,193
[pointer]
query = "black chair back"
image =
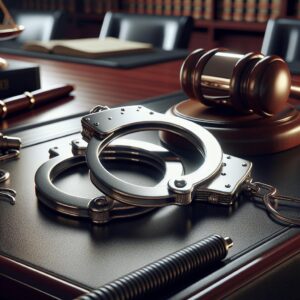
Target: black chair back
x,y
165,32
39,26
282,38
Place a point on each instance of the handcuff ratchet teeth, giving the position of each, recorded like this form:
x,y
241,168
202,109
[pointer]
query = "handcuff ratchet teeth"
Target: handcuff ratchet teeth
x,y
100,209
217,180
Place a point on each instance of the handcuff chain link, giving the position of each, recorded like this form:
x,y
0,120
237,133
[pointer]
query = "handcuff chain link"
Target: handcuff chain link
x,y
270,198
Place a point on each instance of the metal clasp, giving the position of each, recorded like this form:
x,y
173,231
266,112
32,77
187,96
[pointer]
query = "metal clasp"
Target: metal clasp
x,y
225,187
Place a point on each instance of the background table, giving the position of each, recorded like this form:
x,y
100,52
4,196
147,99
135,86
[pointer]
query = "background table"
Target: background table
x,y
96,85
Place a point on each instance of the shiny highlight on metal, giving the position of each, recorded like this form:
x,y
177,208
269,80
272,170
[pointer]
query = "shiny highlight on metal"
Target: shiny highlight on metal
x,y
250,83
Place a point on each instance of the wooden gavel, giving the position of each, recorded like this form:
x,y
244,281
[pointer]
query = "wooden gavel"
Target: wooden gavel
x,y
250,83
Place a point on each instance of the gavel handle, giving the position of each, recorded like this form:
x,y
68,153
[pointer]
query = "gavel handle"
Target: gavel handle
x,y
295,91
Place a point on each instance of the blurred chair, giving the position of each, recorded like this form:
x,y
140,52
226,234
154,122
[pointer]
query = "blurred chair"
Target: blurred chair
x,y
165,32
282,38
39,26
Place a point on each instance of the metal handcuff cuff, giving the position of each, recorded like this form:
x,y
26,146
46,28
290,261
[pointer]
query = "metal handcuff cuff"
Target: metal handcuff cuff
x,y
218,180
101,209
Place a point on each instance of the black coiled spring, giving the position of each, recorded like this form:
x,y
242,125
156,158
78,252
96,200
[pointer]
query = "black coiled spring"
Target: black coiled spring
x,y
164,271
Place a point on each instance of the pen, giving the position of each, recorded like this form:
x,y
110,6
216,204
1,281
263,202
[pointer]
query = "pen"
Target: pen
x,y
29,100
165,271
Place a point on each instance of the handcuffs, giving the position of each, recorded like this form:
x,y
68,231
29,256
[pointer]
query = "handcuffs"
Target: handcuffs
x,y
100,209
9,149
219,180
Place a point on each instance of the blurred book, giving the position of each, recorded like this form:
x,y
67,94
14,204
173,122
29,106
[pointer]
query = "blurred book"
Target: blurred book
x,y
276,8
251,8
263,10
227,10
238,10
198,9
208,10
91,47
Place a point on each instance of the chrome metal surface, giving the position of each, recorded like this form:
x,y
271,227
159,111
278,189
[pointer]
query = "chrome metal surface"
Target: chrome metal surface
x,y
273,201
100,129
9,142
101,209
9,149
4,175
8,195
225,187
222,186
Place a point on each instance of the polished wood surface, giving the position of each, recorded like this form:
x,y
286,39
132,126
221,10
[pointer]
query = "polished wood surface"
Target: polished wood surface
x,y
96,85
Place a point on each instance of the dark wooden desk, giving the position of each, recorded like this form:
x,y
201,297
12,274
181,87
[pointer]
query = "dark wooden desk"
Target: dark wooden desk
x,y
256,252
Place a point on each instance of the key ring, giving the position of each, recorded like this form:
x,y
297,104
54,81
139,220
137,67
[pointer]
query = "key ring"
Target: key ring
x,y
101,209
9,147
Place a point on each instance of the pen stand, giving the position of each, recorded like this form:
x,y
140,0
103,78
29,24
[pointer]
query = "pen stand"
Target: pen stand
x,y
241,99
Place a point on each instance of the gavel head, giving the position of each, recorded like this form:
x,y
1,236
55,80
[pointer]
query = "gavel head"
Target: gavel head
x,y
251,83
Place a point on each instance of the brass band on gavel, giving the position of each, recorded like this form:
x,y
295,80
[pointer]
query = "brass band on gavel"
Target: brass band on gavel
x,y
248,83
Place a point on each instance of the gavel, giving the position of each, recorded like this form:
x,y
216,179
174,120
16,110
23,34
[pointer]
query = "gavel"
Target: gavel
x,y
250,83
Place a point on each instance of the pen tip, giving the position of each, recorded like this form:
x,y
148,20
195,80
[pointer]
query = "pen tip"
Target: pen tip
x,y
228,242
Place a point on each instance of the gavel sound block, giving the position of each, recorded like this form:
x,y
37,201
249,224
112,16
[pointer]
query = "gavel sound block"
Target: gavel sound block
x,y
241,99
